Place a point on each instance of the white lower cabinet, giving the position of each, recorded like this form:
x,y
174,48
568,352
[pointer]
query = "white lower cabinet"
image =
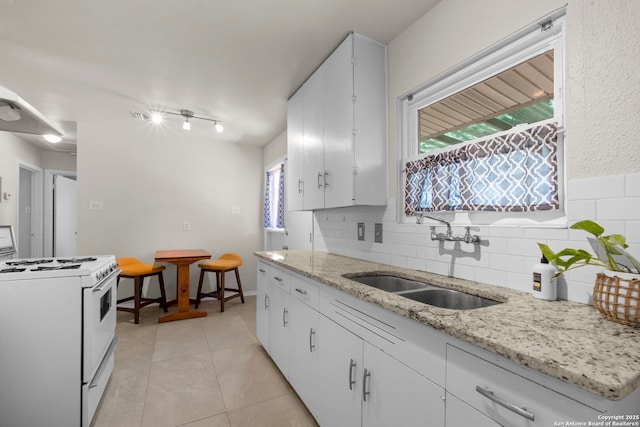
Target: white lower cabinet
x,y
459,414
364,386
305,374
263,327
356,364
506,397
342,368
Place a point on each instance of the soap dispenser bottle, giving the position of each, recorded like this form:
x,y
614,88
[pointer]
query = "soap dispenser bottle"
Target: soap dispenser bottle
x,y
544,284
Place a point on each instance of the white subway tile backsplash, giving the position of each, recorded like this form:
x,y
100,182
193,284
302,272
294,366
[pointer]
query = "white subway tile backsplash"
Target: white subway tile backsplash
x,y
491,276
578,210
618,209
506,262
506,254
596,188
632,185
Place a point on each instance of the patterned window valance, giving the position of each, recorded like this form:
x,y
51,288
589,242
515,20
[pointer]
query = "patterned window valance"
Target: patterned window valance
x,y
514,172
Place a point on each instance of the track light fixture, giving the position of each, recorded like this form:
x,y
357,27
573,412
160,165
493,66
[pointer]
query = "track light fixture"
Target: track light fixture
x,y
157,116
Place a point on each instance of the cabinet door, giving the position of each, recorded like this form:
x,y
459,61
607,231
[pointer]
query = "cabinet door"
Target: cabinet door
x,y
279,322
304,366
295,147
262,306
459,414
394,394
341,368
338,126
313,155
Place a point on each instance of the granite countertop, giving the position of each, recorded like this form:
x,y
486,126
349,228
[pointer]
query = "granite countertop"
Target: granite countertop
x,y
566,340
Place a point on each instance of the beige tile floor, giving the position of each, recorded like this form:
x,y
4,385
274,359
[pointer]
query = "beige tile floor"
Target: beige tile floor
x,y
204,372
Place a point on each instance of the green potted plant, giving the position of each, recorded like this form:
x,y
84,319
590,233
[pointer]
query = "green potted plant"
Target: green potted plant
x,y
617,289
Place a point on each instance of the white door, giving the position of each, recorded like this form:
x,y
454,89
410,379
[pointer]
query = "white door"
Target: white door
x,y
298,230
65,216
337,107
390,388
341,368
313,155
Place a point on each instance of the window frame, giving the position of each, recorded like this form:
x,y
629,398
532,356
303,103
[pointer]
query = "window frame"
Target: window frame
x,y
518,48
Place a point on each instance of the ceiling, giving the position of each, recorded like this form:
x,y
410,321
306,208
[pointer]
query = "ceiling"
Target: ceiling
x,y
233,61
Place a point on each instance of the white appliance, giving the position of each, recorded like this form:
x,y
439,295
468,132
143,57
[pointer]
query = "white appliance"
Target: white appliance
x,y
57,339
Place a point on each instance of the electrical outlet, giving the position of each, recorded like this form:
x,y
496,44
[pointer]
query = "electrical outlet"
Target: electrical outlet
x,y
361,231
95,205
235,210
186,226
378,233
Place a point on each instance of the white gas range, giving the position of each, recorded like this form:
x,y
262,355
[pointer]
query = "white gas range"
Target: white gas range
x,y
57,338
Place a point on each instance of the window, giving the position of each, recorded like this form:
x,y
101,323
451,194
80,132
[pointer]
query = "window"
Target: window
x,y
488,135
274,198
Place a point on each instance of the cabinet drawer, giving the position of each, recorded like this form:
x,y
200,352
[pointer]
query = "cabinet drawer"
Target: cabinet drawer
x,y
305,291
507,397
264,271
280,278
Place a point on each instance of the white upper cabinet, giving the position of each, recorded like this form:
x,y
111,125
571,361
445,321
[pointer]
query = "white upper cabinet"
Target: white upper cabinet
x,y
341,158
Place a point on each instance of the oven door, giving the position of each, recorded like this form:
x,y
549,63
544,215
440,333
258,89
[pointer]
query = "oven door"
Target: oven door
x,y
99,323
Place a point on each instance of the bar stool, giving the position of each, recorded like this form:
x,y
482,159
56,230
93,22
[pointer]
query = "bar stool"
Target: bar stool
x,y
222,265
133,268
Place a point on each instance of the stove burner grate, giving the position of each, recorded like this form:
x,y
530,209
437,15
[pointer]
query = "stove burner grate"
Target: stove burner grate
x,y
56,267
76,260
29,261
13,270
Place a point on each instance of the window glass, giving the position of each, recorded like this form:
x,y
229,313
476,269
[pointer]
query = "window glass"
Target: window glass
x,y
519,95
488,136
274,197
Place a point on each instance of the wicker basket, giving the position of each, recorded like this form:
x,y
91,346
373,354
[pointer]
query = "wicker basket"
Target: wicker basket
x,y
618,298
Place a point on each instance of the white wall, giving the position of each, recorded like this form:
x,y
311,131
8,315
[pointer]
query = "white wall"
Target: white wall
x,y
602,128
13,150
151,180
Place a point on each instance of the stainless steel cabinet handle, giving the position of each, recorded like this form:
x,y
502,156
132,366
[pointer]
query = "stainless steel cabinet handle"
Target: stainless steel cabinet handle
x,y
284,317
352,381
319,178
311,344
266,302
262,270
279,279
510,406
300,186
301,291
326,180
365,376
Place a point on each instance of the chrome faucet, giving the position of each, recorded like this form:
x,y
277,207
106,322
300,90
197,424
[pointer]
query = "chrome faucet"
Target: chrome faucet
x,y
467,238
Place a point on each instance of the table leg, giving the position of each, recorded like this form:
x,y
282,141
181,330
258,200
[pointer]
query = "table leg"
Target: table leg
x,y
183,298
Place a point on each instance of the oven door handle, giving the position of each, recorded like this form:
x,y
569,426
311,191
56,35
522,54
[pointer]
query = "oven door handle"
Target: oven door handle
x,y
103,364
105,281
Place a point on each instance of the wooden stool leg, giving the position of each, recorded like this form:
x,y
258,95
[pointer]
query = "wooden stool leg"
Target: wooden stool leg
x,y
221,291
136,296
163,294
239,284
199,294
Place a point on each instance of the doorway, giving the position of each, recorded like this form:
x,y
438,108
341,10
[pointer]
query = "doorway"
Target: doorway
x,y
60,217
29,211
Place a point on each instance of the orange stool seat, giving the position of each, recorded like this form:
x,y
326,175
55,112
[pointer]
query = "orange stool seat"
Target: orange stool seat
x,y
224,264
133,268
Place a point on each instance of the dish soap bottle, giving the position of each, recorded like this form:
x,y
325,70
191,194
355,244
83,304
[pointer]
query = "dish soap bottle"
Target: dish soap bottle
x,y
544,284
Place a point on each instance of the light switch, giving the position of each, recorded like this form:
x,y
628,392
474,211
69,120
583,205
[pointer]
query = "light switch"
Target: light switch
x,y
186,226
235,210
361,231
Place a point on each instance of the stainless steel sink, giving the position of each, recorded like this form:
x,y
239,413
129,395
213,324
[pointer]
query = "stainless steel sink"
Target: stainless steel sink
x,y
424,292
448,298
390,283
